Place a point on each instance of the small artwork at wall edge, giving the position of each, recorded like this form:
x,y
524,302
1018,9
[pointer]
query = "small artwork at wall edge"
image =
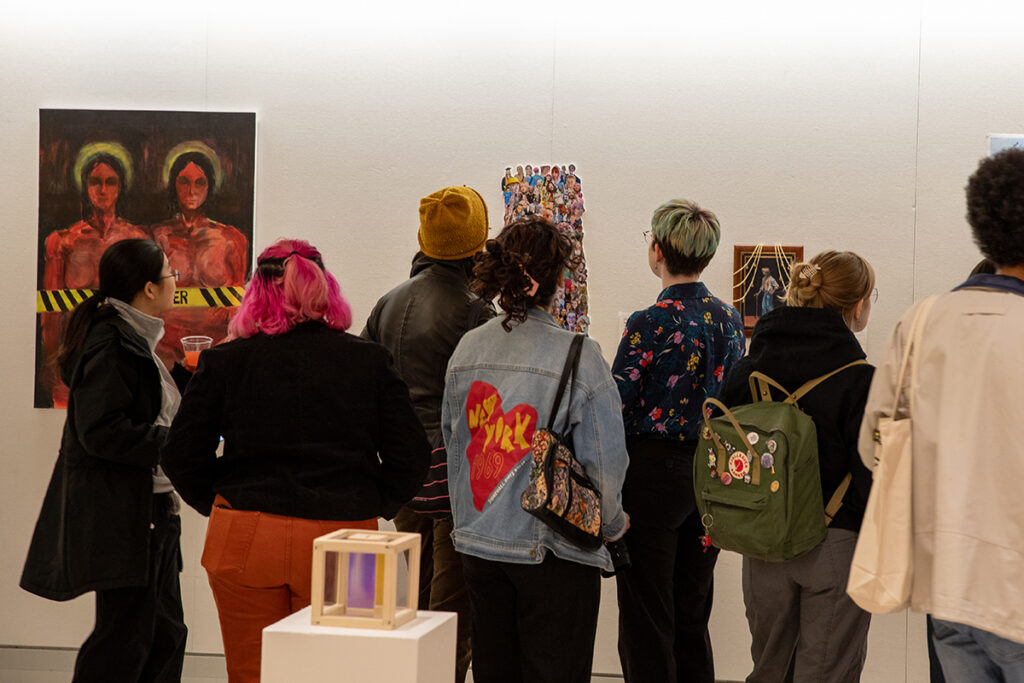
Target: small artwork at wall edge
x,y
760,279
997,142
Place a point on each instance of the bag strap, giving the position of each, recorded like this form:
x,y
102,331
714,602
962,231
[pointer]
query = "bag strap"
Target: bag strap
x,y
755,465
810,384
760,384
836,501
760,387
916,332
572,364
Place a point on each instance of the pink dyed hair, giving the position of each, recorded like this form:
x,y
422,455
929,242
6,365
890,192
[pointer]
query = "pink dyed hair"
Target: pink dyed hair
x,y
290,285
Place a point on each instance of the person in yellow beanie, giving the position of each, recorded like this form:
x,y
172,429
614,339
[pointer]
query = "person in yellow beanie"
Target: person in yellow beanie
x,y
453,223
421,321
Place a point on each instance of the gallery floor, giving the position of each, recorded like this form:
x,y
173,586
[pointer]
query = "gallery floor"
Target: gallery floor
x,y
41,665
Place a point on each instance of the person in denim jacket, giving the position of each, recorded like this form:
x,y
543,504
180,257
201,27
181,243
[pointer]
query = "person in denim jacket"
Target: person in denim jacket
x,y
534,594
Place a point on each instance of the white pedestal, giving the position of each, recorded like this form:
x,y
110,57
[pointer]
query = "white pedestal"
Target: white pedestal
x,y
421,651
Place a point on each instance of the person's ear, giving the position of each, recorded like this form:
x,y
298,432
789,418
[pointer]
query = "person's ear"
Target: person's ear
x,y
659,255
857,318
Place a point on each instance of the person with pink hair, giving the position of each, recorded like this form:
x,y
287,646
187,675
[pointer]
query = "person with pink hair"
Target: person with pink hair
x,y
319,435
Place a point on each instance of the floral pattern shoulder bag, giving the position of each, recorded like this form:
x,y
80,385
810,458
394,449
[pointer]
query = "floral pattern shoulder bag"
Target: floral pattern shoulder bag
x,y
560,493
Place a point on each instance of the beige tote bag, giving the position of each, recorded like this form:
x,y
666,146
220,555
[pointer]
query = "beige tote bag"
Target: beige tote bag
x,y
882,570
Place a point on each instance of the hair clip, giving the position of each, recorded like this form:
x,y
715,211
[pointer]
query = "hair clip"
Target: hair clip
x,y
809,270
534,285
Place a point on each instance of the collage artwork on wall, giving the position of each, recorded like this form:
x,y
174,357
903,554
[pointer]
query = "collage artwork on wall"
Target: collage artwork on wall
x,y
556,193
183,179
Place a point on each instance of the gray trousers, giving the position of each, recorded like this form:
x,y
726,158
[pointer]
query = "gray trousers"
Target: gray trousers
x,y
803,624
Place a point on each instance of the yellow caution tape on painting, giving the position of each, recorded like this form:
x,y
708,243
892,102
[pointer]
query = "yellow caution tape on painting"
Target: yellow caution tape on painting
x,y
202,297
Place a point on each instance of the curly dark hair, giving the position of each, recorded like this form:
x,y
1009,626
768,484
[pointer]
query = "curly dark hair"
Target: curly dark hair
x,y
528,247
995,207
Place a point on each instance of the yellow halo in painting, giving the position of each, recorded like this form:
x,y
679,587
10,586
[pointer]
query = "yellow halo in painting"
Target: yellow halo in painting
x,y
92,150
192,146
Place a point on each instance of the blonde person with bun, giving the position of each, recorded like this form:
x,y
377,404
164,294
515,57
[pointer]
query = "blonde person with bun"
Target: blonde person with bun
x,y
803,625
672,356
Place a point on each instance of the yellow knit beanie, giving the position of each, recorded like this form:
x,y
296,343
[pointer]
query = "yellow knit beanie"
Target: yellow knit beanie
x,y
453,223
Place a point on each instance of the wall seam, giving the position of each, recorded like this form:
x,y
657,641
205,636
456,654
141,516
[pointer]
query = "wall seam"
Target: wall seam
x,y
917,158
554,57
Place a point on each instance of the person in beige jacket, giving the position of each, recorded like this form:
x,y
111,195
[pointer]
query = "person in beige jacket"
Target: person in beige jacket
x,y
968,421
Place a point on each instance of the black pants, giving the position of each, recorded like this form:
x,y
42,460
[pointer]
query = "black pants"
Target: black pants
x,y
140,631
665,596
532,623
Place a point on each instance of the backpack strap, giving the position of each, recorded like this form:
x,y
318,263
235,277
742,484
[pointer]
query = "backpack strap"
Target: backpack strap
x,y
836,501
811,383
760,384
760,387
755,466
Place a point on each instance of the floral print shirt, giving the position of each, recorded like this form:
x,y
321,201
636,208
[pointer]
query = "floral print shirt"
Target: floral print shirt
x,y
674,355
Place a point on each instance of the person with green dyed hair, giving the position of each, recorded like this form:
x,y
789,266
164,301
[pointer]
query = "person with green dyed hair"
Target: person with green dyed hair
x,y
686,234
672,356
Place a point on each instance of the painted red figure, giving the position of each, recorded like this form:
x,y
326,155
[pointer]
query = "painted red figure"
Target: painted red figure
x,y
204,252
72,255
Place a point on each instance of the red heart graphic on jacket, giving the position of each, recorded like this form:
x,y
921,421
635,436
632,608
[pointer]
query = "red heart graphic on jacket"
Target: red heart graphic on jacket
x,y
498,439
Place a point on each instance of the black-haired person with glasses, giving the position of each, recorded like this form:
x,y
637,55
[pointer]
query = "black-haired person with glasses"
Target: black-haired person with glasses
x,y
109,521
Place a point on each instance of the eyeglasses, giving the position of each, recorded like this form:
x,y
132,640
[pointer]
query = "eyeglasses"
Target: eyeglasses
x,y
647,236
874,295
173,274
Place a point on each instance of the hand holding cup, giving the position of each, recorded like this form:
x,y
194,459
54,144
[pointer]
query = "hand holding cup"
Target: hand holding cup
x,y
193,346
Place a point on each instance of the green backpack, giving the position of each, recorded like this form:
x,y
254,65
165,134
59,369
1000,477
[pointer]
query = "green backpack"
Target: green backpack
x,y
756,476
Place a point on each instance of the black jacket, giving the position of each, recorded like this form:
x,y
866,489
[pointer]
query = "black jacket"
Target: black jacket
x,y
93,530
421,322
793,345
316,424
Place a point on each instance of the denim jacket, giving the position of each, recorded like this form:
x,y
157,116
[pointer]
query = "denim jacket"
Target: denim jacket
x,y
499,389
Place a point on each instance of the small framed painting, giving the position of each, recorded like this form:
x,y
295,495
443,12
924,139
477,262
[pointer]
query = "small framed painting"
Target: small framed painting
x,y
760,279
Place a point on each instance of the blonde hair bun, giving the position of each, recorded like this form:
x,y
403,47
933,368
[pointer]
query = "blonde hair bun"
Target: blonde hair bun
x,y
837,280
804,282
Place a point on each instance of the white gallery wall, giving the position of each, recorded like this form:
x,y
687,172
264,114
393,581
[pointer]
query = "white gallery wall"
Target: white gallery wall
x,y
798,126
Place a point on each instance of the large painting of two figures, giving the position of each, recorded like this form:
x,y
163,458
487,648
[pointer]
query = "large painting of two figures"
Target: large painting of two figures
x,y
183,179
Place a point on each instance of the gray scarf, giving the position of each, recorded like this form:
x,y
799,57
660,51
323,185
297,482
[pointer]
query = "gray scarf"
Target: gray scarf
x,y
152,330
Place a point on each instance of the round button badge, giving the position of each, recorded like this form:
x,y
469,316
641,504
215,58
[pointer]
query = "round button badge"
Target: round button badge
x,y
739,466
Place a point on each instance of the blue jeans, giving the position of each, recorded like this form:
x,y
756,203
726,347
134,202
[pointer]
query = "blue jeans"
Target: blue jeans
x,y
971,654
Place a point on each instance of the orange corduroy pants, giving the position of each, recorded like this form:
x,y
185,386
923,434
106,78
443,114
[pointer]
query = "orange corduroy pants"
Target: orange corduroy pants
x,y
259,567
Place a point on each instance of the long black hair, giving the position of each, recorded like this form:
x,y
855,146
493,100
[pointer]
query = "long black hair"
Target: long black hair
x,y
125,268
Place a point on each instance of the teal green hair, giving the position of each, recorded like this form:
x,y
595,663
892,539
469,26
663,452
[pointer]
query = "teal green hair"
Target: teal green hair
x,y
685,228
